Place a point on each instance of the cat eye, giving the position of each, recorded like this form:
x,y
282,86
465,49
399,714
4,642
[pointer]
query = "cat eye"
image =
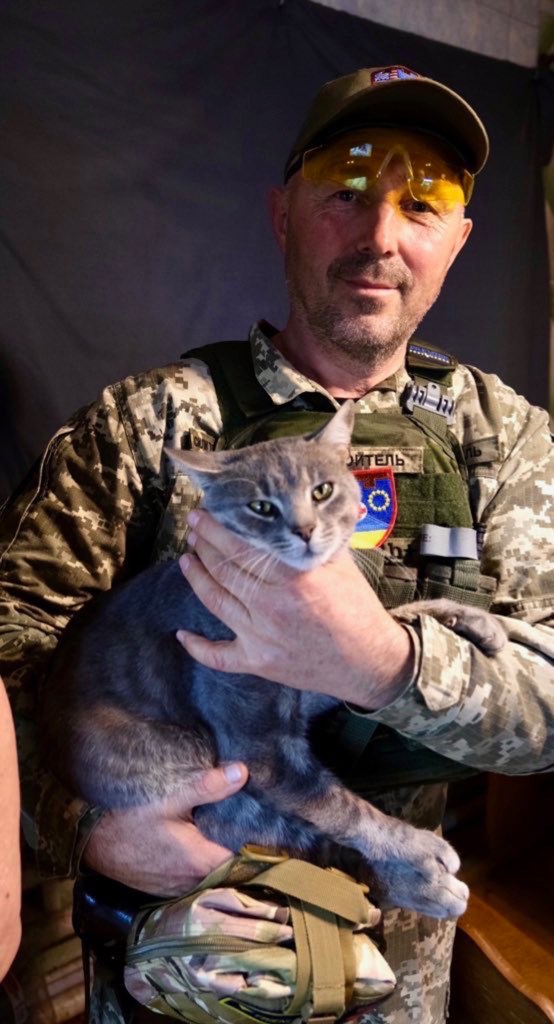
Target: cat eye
x,y
264,508
322,491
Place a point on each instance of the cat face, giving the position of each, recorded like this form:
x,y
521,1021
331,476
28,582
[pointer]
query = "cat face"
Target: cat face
x,y
292,497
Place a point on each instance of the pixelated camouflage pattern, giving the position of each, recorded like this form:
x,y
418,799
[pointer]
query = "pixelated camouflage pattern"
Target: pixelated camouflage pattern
x,y
102,503
99,506
283,382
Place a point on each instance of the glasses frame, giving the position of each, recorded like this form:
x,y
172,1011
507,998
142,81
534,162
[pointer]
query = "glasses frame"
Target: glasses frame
x,y
463,177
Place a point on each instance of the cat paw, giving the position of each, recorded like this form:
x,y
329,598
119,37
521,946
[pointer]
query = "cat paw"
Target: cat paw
x,y
424,877
480,627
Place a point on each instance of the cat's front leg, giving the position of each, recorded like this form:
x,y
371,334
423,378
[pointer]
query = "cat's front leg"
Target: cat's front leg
x,y
414,868
419,873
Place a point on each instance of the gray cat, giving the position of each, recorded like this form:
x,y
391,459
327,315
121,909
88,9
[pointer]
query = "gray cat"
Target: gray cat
x,y
127,714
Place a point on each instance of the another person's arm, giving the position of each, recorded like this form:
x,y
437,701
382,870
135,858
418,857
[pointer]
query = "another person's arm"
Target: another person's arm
x,y
10,865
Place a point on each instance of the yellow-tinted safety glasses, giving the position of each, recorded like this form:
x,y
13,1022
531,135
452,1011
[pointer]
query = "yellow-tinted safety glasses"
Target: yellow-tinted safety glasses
x,y
358,160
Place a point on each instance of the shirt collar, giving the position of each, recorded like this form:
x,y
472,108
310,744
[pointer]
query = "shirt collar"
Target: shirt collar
x,y
283,382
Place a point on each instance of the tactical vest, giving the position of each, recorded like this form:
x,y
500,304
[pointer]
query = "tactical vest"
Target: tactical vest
x,y
366,755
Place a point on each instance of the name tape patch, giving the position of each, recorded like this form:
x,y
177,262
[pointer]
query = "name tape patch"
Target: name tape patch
x,y
484,449
400,460
199,441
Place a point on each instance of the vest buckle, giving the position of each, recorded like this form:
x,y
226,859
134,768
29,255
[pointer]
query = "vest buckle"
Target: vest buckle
x,y
430,397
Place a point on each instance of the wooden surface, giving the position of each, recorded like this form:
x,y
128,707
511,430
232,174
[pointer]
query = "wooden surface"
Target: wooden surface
x,y
481,994
503,969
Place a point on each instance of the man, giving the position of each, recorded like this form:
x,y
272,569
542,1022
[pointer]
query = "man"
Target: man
x,y
370,219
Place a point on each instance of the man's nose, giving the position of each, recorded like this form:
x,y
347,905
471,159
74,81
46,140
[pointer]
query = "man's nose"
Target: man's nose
x,y
379,227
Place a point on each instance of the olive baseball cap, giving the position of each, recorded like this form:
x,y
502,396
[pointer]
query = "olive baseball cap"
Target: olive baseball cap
x,y
397,97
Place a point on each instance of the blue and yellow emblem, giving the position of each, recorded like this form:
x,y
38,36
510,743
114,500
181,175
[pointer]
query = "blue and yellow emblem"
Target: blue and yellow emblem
x,y
377,507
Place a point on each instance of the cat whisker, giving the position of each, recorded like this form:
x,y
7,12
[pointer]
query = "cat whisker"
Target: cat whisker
x,y
263,564
251,565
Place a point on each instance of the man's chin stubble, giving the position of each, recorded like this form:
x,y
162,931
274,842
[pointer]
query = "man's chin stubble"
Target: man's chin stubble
x,y
356,337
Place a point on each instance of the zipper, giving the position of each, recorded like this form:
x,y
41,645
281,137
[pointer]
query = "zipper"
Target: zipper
x,y
151,949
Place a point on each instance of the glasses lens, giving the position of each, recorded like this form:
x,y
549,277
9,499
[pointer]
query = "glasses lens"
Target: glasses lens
x,y
358,160
436,181
340,166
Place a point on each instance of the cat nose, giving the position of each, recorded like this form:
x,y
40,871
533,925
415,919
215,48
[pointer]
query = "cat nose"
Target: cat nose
x,y
304,531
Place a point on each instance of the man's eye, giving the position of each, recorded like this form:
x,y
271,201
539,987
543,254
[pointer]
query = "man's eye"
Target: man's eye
x,y
416,206
265,509
346,195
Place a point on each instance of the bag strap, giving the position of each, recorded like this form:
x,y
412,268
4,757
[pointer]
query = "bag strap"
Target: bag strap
x,y
328,988
323,909
326,888
324,905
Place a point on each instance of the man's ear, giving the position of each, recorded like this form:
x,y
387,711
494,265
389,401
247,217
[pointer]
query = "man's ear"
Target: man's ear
x,y
466,226
279,210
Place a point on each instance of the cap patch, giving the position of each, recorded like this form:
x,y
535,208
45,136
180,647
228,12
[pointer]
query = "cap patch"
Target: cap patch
x,y
392,75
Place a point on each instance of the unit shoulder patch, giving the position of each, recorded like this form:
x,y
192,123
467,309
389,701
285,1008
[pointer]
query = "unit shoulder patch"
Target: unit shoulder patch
x,y
378,507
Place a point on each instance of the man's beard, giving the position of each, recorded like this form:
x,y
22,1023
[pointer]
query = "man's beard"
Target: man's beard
x,y
361,332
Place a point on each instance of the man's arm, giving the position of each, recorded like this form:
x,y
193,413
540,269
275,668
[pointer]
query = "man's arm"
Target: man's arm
x,y
10,868
64,538
327,631
85,518
497,713
157,848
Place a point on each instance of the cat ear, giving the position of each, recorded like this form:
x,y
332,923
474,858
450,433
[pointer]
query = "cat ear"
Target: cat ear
x,y
196,464
338,431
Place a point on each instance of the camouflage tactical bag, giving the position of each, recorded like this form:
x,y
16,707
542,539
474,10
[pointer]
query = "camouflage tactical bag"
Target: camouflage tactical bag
x,y
265,938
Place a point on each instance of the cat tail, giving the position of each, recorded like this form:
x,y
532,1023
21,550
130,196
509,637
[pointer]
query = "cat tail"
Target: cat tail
x,y
115,759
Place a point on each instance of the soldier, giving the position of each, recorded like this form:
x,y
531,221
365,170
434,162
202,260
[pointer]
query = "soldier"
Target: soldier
x,y
370,218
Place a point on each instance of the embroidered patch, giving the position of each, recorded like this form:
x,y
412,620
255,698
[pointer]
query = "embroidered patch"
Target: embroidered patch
x,y
422,355
199,441
400,460
484,449
392,75
377,507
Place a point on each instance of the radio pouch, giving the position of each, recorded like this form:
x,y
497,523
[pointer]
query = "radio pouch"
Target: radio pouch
x,y
265,938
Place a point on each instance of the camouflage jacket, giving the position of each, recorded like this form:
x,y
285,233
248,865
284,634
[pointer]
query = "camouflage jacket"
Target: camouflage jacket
x,y
103,502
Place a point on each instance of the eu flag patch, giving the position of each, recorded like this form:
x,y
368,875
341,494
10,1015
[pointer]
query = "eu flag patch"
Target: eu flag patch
x,y
377,507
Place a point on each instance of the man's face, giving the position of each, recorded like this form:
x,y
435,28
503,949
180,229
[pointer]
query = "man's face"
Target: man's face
x,y
363,268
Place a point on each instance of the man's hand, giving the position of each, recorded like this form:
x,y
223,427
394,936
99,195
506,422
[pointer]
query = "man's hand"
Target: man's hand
x,y
324,629
157,848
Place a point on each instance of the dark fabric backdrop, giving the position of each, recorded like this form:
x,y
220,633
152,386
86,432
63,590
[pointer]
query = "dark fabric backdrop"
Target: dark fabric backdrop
x,y
138,141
